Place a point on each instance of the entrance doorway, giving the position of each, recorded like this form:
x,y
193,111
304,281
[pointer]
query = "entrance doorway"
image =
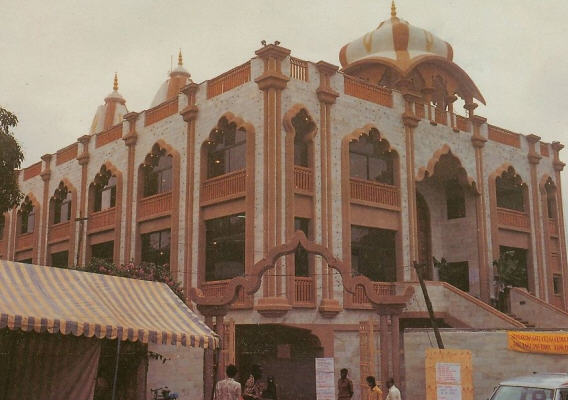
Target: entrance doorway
x,y
286,353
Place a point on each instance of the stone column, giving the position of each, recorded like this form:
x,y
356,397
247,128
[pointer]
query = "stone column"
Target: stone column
x,y
327,97
189,115
130,141
384,346
534,159
395,346
208,365
83,160
478,142
558,167
220,330
45,176
272,82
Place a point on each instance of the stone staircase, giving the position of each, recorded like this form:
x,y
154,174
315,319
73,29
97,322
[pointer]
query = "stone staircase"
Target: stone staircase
x,y
527,324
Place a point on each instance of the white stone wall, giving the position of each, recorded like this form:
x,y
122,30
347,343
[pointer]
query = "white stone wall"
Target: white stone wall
x,y
181,373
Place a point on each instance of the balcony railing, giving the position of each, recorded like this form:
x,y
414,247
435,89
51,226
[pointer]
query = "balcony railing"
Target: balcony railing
x,y
298,69
59,232
303,179
24,241
218,288
229,80
440,116
375,192
381,288
32,170
224,187
108,136
462,123
513,219
552,227
161,111
503,136
364,90
304,290
158,204
101,220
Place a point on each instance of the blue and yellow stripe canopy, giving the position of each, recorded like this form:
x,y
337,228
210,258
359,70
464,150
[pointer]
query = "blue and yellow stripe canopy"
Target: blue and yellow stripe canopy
x,y
55,300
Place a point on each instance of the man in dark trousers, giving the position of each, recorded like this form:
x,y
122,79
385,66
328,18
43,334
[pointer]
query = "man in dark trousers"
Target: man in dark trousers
x,y
344,386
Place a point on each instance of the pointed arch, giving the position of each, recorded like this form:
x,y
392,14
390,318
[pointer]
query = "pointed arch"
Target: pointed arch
x,y
429,170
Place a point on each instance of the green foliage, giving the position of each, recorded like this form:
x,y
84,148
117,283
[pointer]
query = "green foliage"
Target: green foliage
x,y
143,271
11,158
508,272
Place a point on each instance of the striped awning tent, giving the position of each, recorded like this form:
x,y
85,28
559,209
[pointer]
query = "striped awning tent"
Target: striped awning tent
x,y
56,300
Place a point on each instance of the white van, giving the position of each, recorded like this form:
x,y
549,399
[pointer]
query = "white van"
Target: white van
x,y
546,386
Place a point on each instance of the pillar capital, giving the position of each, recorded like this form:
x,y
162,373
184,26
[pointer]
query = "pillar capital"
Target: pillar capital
x,y
83,158
84,140
130,139
189,113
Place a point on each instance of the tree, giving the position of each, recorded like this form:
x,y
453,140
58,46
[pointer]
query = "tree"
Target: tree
x,y
11,158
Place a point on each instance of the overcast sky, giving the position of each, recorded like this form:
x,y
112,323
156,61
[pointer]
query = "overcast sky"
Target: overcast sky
x,y
58,57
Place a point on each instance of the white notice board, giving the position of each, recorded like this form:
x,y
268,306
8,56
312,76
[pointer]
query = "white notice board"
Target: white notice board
x,y
325,379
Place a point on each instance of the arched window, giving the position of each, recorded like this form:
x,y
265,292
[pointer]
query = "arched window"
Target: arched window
x,y
371,159
510,190
26,216
550,198
157,172
303,126
455,199
226,149
104,190
61,203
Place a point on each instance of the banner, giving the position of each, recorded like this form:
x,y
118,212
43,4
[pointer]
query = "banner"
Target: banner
x,y
533,342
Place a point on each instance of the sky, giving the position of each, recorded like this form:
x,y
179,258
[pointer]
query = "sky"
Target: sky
x,y
58,58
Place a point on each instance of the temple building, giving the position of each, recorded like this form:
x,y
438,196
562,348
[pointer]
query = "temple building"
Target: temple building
x,y
293,198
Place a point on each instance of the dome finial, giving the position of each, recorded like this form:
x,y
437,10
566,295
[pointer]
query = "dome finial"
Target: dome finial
x,y
115,86
393,9
180,58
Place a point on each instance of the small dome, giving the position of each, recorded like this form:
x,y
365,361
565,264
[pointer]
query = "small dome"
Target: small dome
x,y
179,77
395,42
110,113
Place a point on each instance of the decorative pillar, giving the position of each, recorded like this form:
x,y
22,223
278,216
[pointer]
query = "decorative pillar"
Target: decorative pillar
x,y
130,141
220,330
208,365
450,102
45,177
83,160
272,82
478,142
189,115
211,372
410,122
384,345
329,306
558,167
427,95
534,159
395,329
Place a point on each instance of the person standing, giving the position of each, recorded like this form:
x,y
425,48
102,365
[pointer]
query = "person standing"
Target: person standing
x,y
375,393
394,393
344,386
228,389
253,386
270,391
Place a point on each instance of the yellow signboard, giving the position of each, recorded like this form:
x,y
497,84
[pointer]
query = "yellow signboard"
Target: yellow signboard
x,y
533,342
449,374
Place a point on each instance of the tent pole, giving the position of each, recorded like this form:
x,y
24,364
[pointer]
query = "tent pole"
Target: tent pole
x,y
116,368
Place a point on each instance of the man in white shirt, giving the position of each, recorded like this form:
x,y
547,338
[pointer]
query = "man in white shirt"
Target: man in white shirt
x,y
394,393
228,389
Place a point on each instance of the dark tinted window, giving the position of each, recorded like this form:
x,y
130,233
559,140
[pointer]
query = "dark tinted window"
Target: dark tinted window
x,y
373,253
60,259
226,150
225,247
455,199
301,258
104,251
510,191
156,247
370,159
158,174
456,274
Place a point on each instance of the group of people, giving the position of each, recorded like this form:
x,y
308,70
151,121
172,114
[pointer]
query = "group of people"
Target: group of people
x,y
254,388
345,388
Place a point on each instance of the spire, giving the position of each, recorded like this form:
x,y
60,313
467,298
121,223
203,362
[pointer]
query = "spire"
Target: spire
x,y
393,9
115,86
180,59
